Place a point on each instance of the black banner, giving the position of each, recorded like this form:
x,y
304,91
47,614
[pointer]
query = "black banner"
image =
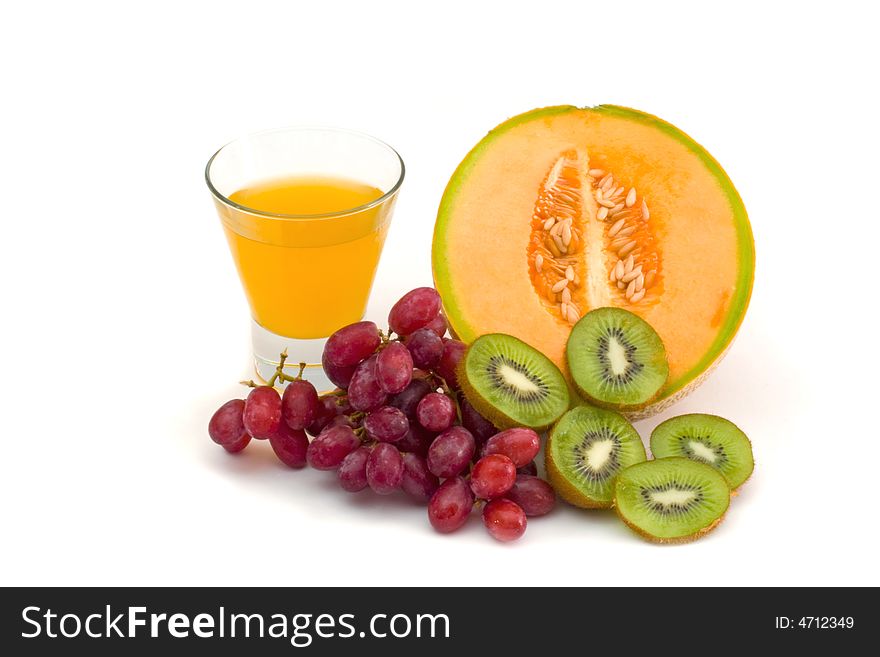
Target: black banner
x,y
334,621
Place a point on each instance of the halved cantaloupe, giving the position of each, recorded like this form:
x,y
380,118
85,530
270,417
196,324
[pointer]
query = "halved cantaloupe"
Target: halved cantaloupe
x,y
564,209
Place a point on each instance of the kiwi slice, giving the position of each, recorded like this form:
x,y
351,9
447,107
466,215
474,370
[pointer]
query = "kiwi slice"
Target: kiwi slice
x,y
586,450
707,439
512,384
671,500
616,359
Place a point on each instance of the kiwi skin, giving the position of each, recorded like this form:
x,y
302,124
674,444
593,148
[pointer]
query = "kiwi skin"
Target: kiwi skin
x,y
501,420
566,490
678,540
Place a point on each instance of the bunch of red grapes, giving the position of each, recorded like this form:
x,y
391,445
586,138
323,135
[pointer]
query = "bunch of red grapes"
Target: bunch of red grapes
x,y
397,421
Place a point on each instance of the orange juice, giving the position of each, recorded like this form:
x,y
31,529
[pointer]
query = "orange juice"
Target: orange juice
x,y
306,276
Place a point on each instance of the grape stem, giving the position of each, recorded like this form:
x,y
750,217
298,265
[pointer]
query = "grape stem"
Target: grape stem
x,y
279,371
438,381
298,377
385,339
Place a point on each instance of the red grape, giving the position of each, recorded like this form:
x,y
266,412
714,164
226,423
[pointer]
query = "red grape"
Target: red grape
x,y
384,469
504,519
492,476
290,445
418,482
451,505
408,400
226,426
238,445
333,444
453,351
364,393
386,424
438,325
262,412
299,404
339,376
528,469
479,426
415,309
327,410
426,348
394,366
436,412
451,452
534,495
417,440
520,445
352,471
351,344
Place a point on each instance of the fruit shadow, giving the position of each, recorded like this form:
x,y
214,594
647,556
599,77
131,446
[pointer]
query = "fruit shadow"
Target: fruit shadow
x,y
591,522
594,524
367,500
258,463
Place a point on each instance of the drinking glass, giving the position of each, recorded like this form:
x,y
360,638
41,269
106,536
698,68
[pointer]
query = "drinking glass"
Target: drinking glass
x,y
305,274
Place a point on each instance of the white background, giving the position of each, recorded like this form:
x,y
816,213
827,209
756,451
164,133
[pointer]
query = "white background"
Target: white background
x,y
124,324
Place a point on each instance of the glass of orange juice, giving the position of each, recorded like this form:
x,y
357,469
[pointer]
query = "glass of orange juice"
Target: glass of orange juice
x,y
305,211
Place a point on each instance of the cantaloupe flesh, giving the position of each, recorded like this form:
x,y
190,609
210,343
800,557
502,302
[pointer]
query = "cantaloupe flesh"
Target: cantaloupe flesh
x,y
483,229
